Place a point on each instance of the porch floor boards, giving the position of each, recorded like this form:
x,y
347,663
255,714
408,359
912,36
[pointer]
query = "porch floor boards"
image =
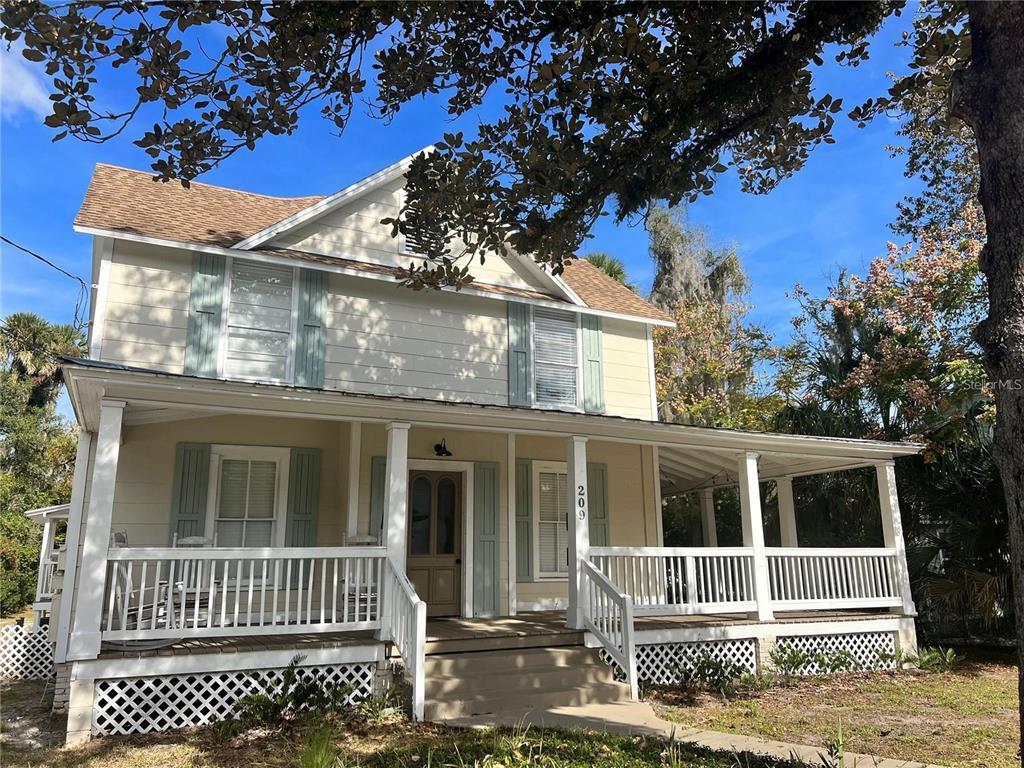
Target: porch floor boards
x,y
243,644
447,635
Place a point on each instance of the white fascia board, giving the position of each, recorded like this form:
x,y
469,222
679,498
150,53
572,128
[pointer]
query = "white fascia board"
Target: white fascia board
x,y
160,390
328,204
200,663
546,277
340,269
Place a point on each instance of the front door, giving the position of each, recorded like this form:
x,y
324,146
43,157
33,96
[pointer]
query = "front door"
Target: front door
x,y
435,540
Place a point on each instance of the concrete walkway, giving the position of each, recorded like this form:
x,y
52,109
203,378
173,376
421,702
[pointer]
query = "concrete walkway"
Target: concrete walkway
x,y
635,718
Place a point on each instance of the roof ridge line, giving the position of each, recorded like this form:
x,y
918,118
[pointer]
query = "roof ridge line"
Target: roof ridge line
x,y
219,187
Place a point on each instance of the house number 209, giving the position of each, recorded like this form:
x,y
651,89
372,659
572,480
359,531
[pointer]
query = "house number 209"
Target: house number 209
x,y
581,502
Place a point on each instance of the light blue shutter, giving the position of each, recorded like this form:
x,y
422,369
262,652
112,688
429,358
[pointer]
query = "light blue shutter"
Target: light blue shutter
x,y
378,478
205,306
485,538
303,497
524,525
190,487
520,357
593,368
597,493
310,345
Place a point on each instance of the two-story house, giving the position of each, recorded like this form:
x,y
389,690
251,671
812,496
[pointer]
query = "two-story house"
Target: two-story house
x,y
284,451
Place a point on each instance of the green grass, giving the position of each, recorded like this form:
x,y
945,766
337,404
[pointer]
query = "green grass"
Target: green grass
x,y
966,718
29,738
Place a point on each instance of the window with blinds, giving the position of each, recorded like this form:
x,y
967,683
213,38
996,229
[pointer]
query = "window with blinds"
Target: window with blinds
x,y
552,524
556,358
246,503
259,321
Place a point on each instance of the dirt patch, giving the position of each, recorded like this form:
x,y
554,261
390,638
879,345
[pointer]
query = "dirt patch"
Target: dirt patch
x,y
966,718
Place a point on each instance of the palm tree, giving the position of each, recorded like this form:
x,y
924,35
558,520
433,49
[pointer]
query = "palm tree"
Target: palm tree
x,y
32,348
611,266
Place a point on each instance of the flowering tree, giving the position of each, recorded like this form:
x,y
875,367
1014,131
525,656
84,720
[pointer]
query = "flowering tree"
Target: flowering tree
x,y
891,355
897,344
707,366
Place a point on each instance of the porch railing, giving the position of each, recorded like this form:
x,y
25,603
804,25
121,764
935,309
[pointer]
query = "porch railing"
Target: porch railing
x,y
161,592
833,578
681,580
608,615
47,570
703,580
407,627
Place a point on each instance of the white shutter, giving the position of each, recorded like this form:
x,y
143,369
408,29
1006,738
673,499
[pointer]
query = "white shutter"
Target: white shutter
x,y
552,533
556,358
259,321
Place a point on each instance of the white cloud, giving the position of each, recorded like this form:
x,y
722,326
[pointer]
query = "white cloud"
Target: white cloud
x,y
21,86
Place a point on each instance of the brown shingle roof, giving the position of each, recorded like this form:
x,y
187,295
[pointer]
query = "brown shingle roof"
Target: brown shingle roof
x,y
599,291
125,200
130,201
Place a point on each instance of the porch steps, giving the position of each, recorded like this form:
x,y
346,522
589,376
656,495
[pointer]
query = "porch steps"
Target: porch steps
x,y
501,641
521,680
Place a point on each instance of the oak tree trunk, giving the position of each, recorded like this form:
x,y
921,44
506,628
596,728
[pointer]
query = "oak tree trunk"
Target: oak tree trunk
x,y
989,96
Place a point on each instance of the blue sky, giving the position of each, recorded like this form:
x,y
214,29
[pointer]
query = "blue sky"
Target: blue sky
x,y
831,215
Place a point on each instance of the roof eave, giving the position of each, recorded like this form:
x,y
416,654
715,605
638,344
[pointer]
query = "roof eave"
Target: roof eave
x,y
221,396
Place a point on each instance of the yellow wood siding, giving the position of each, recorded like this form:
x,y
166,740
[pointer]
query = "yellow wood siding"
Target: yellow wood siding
x,y
147,307
385,339
627,381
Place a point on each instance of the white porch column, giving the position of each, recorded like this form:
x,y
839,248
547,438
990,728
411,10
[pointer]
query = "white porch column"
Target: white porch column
x,y
72,537
85,635
709,531
396,499
579,525
45,548
892,531
355,433
787,512
753,532
510,460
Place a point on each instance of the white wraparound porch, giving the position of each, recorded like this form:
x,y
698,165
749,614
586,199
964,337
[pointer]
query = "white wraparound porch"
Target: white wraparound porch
x,y
592,549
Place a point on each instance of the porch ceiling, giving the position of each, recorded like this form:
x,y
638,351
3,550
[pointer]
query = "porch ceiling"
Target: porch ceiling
x,y
691,468
691,457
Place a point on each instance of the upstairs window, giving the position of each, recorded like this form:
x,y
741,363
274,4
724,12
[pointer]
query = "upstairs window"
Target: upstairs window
x,y
260,332
556,358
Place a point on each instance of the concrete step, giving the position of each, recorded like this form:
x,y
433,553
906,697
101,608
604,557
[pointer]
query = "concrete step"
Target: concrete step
x,y
520,660
509,683
500,641
491,703
463,685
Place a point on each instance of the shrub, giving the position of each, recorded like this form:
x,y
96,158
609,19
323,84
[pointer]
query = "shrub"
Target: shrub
x,y
383,708
296,693
789,661
937,659
706,673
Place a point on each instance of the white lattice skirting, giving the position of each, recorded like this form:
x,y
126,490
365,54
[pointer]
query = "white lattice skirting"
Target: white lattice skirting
x,y
25,653
871,650
663,663
147,704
